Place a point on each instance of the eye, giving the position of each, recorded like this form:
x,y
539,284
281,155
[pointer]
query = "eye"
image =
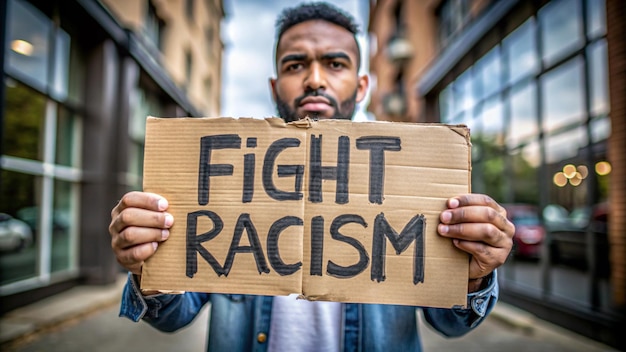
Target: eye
x,y
294,66
336,65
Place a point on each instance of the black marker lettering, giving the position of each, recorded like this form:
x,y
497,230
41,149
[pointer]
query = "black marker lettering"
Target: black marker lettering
x,y
255,248
354,269
377,146
414,230
273,254
317,245
248,172
317,172
206,169
282,170
194,242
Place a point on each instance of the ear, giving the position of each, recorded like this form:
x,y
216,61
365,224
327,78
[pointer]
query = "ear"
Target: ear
x,y
273,88
363,85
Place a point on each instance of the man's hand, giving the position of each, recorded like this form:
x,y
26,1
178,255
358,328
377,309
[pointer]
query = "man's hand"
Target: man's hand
x,y
479,226
138,223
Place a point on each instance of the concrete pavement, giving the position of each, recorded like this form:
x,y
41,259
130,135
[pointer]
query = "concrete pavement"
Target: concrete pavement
x,y
85,318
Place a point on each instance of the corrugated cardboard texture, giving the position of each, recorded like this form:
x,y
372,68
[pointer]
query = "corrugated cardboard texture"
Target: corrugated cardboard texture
x,y
344,204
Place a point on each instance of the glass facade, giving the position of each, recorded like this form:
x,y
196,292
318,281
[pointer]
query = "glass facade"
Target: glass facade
x,y
537,106
40,151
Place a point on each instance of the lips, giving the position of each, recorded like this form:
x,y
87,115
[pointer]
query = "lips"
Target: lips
x,y
315,104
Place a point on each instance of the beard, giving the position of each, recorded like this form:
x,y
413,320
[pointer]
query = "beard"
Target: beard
x,y
343,111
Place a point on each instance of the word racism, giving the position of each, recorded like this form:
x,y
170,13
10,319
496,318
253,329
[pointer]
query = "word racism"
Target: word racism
x,y
382,231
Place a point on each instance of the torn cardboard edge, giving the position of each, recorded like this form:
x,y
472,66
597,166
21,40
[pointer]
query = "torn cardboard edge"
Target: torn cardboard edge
x,y
225,160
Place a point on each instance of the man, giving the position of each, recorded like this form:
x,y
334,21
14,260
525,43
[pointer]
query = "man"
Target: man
x,y
317,63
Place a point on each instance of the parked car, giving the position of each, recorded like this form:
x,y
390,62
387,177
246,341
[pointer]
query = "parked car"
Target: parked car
x,y
568,242
529,231
15,234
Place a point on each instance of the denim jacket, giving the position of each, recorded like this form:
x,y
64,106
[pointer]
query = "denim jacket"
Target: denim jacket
x,y
242,322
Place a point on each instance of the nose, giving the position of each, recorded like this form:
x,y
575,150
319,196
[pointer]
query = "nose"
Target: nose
x,y
315,78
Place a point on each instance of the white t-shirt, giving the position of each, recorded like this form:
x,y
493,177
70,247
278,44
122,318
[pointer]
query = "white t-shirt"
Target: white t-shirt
x,y
300,325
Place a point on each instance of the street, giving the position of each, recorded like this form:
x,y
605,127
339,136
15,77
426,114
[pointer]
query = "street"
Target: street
x,y
104,331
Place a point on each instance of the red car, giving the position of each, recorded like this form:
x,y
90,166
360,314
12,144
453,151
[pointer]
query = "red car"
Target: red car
x,y
529,231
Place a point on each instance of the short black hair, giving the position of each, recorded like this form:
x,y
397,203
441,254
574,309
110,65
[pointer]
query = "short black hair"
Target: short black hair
x,y
292,16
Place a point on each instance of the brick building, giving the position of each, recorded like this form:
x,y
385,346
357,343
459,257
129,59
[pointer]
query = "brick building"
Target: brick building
x,y
541,86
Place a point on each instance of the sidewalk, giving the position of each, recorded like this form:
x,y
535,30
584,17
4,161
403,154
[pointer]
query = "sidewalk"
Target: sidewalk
x,y
78,312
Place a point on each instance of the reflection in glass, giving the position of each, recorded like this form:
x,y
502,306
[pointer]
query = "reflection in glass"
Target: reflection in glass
x,y
18,226
565,146
560,22
524,122
525,164
520,50
67,152
62,227
445,104
599,86
28,37
563,96
492,121
600,129
488,74
59,87
464,91
23,122
596,14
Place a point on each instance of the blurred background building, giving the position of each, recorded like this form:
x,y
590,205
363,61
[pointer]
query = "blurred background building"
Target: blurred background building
x,y
79,79
539,82
541,86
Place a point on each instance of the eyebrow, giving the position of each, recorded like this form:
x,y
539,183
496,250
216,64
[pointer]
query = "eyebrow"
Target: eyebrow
x,y
327,56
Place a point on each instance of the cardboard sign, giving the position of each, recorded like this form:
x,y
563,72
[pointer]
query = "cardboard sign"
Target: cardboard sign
x,y
331,210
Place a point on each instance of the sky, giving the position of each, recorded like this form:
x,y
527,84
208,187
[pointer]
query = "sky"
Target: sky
x,y
248,36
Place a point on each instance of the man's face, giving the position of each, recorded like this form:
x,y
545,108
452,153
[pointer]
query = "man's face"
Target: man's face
x,y
317,73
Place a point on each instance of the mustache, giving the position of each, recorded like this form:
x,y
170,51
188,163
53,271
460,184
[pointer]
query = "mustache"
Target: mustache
x,y
316,93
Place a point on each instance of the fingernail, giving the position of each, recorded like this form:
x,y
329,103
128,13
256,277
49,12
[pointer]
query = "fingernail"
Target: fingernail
x,y
443,229
154,245
446,216
453,203
456,242
165,234
162,204
169,220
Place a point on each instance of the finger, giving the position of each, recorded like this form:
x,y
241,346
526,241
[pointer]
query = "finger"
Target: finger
x,y
140,218
142,200
476,214
133,258
476,232
474,199
133,235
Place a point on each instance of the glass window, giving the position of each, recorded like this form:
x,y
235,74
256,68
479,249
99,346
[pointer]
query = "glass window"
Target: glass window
x,y
520,50
489,141
600,129
28,38
63,224
464,91
59,88
488,74
18,226
492,121
596,14
525,163
563,96
25,110
598,85
524,122
561,29
67,139
446,104
565,146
